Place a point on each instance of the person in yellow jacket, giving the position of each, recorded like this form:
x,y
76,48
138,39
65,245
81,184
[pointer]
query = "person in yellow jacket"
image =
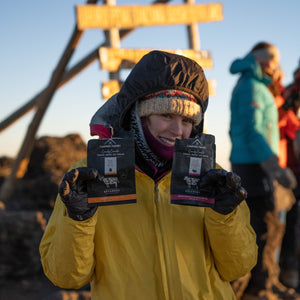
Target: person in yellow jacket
x,y
151,249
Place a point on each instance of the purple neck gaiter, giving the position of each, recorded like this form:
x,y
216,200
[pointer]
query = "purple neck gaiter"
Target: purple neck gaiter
x,y
161,150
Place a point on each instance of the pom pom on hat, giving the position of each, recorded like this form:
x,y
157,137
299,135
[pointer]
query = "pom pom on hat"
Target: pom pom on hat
x,y
171,102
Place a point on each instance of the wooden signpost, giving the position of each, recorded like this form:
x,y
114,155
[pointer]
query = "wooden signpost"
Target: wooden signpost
x,y
106,17
112,59
111,87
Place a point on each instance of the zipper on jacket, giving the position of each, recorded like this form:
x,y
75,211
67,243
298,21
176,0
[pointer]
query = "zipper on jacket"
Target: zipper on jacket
x,y
156,191
162,251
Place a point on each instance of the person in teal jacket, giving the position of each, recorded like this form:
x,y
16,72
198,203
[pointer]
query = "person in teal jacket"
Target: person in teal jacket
x,y
253,127
151,249
254,136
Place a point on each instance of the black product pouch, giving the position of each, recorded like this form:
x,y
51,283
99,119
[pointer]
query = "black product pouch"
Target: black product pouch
x,y
192,158
115,160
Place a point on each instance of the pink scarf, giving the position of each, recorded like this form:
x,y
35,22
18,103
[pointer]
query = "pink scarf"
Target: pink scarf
x,y
163,151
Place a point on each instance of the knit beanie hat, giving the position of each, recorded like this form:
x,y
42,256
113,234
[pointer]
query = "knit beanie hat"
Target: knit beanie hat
x,y
171,102
264,52
160,71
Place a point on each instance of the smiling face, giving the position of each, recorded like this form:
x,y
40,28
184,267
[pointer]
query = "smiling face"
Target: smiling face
x,y
270,67
168,127
268,56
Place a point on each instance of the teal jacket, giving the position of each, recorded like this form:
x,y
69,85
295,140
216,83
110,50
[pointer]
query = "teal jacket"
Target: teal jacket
x,y
253,131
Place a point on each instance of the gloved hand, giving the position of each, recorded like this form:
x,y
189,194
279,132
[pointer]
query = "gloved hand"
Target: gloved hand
x,y
73,192
284,176
225,187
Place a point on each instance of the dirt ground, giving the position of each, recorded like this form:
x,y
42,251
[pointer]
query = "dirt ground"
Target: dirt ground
x,y
40,288
35,288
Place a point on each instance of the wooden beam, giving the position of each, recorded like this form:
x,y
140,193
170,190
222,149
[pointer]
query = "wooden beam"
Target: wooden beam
x,y
112,36
106,17
112,59
193,32
212,87
111,87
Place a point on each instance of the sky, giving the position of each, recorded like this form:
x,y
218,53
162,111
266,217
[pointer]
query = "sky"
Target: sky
x,y
34,35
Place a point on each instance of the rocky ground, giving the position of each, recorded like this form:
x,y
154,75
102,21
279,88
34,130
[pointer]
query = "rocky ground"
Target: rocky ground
x,y
23,220
33,288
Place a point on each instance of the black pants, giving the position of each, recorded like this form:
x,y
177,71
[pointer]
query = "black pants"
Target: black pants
x,y
258,207
289,257
260,201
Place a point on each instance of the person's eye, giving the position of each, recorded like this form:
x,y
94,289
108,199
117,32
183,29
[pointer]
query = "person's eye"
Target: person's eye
x,y
187,121
166,116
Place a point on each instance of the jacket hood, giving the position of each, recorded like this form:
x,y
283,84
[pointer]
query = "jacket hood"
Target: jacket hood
x,y
158,71
249,67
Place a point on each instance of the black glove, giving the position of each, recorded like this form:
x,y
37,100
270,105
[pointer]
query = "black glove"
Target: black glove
x,y
225,187
73,192
285,177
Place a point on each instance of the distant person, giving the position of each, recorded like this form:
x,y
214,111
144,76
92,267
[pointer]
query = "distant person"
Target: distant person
x,y
289,255
151,249
288,124
255,138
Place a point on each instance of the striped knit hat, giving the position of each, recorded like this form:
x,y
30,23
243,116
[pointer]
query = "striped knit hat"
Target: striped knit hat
x,y
264,52
171,102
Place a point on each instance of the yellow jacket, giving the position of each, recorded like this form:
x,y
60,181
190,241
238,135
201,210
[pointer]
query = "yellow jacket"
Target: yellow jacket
x,y
151,249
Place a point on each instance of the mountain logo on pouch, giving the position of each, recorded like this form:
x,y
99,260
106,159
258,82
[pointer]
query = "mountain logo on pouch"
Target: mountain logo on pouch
x,y
115,161
192,158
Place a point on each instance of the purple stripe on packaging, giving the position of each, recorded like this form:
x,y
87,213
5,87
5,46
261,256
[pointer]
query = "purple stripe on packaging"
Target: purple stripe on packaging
x,y
193,198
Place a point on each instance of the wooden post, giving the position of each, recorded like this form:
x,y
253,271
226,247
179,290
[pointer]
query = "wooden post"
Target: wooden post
x,y
193,32
113,39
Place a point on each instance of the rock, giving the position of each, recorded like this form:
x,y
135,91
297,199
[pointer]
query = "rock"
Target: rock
x,y
5,166
23,219
50,159
55,155
20,235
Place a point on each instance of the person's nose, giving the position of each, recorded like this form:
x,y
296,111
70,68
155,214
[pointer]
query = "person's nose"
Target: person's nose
x,y
176,127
